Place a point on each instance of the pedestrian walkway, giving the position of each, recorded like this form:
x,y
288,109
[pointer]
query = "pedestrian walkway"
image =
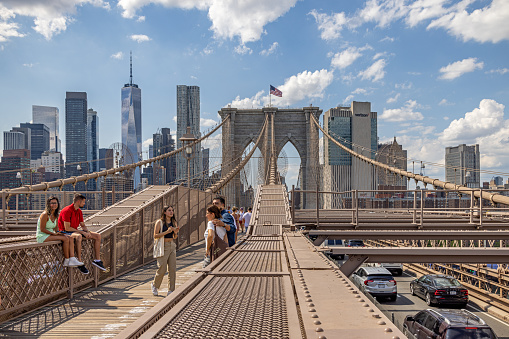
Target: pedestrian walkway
x,y
104,311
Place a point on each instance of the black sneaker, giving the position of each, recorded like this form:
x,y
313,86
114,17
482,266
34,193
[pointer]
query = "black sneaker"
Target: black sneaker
x,y
83,269
99,264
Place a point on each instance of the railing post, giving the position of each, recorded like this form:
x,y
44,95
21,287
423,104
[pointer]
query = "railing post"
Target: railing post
x,y
480,208
17,208
317,207
293,203
114,252
188,215
356,208
142,224
113,194
472,207
415,208
4,213
104,197
422,207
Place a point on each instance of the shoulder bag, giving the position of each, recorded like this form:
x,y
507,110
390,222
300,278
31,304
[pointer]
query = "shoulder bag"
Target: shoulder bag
x,y
218,247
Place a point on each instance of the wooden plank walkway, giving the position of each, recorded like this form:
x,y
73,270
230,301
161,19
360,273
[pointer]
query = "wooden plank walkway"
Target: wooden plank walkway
x,y
105,311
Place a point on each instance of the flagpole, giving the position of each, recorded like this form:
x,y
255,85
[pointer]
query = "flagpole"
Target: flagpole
x,y
270,98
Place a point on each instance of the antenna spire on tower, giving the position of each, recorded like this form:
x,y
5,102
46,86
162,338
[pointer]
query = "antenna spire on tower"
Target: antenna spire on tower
x,y
131,70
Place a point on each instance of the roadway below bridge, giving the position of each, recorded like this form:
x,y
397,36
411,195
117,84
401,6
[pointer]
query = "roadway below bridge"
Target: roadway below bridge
x,y
407,304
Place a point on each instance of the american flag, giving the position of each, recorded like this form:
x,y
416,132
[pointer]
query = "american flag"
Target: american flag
x,y
275,91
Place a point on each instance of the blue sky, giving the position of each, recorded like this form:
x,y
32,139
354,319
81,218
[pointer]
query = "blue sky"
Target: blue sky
x,y
436,71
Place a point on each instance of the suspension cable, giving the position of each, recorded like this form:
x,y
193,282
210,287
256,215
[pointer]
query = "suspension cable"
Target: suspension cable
x,y
478,193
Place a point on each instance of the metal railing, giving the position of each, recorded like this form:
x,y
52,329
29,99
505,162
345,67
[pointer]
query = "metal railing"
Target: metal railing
x,y
33,275
410,202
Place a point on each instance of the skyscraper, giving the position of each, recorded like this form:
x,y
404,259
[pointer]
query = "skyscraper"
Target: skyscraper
x,y
163,143
75,134
463,165
131,121
48,116
394,155
14,140
356,128
92,140
39,139
188,115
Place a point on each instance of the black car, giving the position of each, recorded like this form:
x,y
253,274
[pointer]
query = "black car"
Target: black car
x,y
355,243
439,289
447,324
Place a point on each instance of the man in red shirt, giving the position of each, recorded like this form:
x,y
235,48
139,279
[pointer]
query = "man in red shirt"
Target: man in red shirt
x,y
70,218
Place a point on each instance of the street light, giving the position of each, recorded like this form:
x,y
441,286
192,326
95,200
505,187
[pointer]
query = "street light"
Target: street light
x,y
187,139
467,175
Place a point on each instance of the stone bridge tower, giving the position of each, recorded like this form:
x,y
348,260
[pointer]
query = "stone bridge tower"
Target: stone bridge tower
x,y
290,125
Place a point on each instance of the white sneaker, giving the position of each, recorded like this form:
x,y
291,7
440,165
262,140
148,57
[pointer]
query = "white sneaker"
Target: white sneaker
x,y
66,262
154,289
73,261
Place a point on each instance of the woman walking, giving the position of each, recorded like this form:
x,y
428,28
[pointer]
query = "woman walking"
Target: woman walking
x,y
46,231
166,227
213,212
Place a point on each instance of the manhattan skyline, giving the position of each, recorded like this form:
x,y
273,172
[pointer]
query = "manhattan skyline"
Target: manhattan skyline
x,y
436,72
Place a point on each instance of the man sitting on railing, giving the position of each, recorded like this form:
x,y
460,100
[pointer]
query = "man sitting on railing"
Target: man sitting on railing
x,y
226,220
71,217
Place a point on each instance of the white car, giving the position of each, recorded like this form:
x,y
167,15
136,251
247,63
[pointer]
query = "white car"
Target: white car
x,y
376,281
334,243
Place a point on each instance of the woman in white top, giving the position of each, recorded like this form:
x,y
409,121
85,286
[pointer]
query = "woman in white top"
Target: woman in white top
x,y
212,213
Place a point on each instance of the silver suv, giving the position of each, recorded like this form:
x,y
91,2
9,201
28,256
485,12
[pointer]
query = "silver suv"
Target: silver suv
x,y
376,281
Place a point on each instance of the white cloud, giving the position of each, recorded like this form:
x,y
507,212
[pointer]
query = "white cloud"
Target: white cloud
x,y
242,49
405,85
379,55
348,99
305,85
174,118
148,142
139,38
458,68
389,39
118,55
346,57
446,118
141,18
359,91
393,99
50,17
244,19
30,65
270,50
375,72
444,102
404,113
481,122
498,70
206,123
487,24
330,25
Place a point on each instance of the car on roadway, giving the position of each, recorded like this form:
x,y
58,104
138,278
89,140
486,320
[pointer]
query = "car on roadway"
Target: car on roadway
x,y
447,324
376,281
332,244
355,243
394,268
439,289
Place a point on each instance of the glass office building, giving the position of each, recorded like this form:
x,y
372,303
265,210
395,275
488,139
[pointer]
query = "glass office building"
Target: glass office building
x,y
48,116
75,134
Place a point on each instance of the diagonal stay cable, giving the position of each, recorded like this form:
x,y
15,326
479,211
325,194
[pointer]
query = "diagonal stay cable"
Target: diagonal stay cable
x,y
85,177
224,180
478,193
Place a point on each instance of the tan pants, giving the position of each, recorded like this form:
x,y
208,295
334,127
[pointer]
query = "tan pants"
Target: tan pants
x,y
167,263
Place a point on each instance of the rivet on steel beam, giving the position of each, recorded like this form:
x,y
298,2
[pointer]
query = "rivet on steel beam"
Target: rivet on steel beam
x,y
381,322
365,305
308,300
319,329
361,300
314,316
371,310
307,295
388,329
311,310
311,305
322,337
317,322
376,316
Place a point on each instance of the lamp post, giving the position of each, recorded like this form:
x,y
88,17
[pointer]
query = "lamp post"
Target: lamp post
x,y
187,139
467,175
